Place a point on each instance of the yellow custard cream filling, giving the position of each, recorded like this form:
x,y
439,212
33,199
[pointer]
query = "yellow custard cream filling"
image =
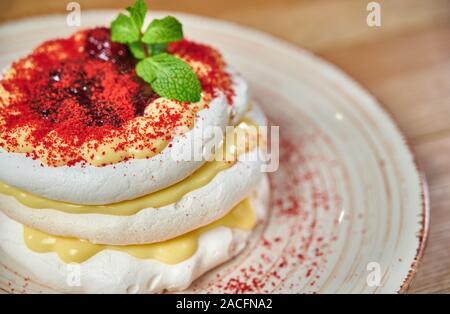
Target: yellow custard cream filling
x,y
173,251
160,198
225,158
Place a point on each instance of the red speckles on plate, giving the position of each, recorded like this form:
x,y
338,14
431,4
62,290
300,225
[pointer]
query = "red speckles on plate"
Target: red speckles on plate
x,y
289,251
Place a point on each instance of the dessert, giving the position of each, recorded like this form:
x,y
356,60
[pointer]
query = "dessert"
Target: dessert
x,y
110,159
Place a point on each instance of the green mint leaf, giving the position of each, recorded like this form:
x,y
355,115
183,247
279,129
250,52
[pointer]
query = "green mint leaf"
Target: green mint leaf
x,y
124,30
161,31
137,49
146,70
170,77
137,12
157,48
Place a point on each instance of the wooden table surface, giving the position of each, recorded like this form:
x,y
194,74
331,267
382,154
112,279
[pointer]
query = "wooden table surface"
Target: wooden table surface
x,y
405,63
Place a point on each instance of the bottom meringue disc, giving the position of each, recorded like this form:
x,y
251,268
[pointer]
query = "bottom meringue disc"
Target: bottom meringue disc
x,y
111,271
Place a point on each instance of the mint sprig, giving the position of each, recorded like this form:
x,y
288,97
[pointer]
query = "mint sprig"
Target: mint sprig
x,y
169,76
163,31
138,12
137,50
124,30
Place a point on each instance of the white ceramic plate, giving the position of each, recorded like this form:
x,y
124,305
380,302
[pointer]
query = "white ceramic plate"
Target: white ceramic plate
x,y
349,204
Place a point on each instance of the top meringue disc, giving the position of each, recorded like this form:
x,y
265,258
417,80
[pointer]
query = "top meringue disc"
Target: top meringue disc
x,y
72,122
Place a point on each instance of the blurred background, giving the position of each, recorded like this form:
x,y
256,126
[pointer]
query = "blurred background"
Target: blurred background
x,y
405,63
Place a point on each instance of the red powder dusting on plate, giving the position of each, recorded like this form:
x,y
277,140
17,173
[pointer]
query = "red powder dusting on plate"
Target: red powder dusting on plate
x,y
235,285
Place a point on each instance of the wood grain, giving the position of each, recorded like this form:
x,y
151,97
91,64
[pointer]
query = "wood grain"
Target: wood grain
x,y
405,63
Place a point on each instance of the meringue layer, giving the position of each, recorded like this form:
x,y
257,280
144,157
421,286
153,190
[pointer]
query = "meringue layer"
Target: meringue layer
x,y
197,201
91,185
113,271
